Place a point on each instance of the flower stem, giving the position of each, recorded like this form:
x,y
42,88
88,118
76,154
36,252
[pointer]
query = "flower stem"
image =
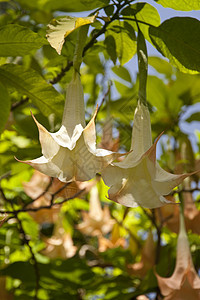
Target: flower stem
x,y
142,66
182,221
78,53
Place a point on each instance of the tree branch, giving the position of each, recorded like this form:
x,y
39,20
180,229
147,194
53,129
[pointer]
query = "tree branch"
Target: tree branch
x,y
35,209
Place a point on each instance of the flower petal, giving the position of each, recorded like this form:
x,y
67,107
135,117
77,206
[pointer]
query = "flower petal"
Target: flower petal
x,y
103,156
61,137
141,132
164,182
138,192
43,165
74,111
49,146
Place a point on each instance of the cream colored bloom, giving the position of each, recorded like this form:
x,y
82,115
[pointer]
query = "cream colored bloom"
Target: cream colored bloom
x,y
184,284
71,154
59,245
138,179
98,221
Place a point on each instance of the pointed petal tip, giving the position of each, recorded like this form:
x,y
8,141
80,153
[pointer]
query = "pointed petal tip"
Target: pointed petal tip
x,y
91,122
32,115
18,159
28,162
39,126
151,152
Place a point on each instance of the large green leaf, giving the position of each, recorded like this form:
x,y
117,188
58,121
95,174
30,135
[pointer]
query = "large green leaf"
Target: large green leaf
x,y
178,39
124,41
30,83
4,106
186,5
69,5
143,12
16,40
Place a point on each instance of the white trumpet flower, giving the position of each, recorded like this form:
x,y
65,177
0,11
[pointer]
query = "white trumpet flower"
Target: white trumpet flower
x,y
138,179
71,154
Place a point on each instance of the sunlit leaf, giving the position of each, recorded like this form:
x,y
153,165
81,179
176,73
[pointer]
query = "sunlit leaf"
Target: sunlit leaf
x,y
30,83
16,40
143,12
160,65
59,29
122,72
178,39
186,5
123,38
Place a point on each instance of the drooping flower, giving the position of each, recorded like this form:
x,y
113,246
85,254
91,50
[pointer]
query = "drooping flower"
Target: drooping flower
x,y
147,260
71,153
138,179
184,283
60,245
107,140
37,189
170,214
98,221
115,240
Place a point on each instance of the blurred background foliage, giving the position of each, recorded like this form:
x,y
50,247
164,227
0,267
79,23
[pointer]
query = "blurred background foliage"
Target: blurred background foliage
x,y
89,247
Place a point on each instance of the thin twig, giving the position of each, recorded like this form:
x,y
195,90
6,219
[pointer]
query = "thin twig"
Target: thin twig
x,y
35,209
185,191
17,104
62,73
134,20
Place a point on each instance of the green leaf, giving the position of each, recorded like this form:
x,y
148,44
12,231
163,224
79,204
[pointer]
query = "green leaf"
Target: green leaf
x,y
30,83
124,38
16,40
186,5
61,28
193,117
146,13
156,93
167,103
4,106
109,10
160,65
178,39
122,72
110,45
68,6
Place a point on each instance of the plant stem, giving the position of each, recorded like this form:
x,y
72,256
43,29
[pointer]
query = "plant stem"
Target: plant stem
x,y
142,66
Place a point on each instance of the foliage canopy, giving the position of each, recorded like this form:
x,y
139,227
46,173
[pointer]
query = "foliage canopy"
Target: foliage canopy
x,y
67,240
